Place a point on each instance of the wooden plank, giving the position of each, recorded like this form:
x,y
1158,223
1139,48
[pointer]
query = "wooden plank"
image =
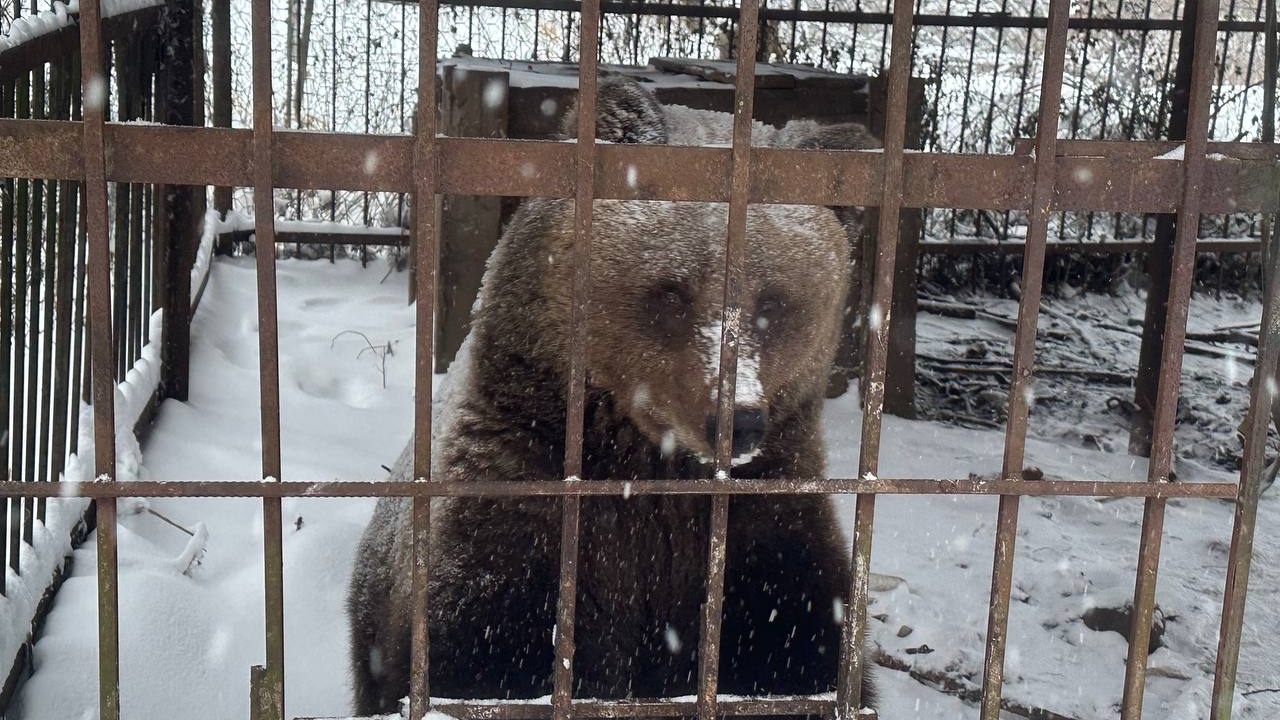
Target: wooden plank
x,y
724,71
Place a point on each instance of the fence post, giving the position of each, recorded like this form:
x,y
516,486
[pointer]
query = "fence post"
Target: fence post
x,y
221,31
473,104
180,207
900,379
1160,257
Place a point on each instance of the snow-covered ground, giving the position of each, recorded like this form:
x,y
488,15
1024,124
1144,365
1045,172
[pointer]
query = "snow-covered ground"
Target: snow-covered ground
x,y
1092,333
187,641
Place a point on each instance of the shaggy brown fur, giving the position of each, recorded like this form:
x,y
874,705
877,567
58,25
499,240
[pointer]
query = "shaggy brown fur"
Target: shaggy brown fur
x,y
657,277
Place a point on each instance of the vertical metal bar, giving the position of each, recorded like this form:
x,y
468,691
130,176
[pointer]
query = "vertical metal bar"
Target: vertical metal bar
x,y
64,391
268,352
125,62
1024,351
424,218
1248,72
1218,100
1159,263
968,81
35,293
220,32
17,400
7,216
47,447
94,87
1022,95
995,78
1171,363
1263,400
80,328
1270,244
731,319
849,688
1251,471
584,164
1270,249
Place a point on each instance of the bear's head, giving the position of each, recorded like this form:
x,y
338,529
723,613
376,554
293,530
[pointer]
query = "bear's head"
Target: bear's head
x,y
658,282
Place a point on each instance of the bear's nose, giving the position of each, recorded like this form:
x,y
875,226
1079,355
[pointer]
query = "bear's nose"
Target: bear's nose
x,y
748,429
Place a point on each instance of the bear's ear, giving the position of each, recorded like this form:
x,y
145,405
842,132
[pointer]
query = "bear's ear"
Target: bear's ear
x,y
625,113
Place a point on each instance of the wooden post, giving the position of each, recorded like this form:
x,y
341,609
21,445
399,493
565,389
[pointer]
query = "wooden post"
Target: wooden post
x,y
1160,257
900,378
181,207
221,60
474,104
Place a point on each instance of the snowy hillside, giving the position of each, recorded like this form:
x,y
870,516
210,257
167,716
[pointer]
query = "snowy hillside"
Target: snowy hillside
x,y
187,640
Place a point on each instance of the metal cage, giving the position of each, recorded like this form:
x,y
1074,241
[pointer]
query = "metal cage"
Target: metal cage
x,y
1059,175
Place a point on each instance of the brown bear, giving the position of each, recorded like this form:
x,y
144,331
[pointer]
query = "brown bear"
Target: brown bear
x,y
657,274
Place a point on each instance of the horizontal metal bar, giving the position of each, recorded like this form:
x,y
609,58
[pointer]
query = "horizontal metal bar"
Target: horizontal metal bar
x,y
542,488
322,237
540,710
964,247
981,20
1137,182
958,247
1143,149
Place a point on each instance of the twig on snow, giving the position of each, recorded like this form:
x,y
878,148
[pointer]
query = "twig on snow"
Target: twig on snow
x,y
379,351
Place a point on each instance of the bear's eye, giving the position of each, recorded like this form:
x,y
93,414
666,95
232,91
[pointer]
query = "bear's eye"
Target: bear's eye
x,y
667,309
769,312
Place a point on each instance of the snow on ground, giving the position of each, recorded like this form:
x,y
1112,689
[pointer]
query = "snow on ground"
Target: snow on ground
x,y
1092,332
187,641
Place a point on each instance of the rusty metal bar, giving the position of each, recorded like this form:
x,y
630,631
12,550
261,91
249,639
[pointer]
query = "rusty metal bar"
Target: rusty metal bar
x,y
94,89
1193,164
584,167
1024,354
787,14
1263,399
1108,177
22,249
1266,376
849,687
294,237
7,216
268,357
816,706
731,707
424,228
1083,248
731,320
601,488
928,248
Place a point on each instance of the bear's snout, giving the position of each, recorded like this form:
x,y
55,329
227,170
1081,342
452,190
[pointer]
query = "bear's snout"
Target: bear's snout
x,y
748,430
